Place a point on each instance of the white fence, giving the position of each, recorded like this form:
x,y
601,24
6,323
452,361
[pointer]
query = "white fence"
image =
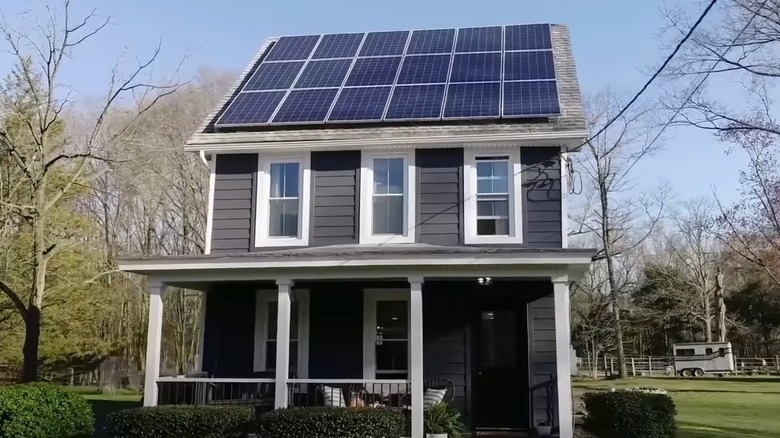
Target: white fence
x,y
657,366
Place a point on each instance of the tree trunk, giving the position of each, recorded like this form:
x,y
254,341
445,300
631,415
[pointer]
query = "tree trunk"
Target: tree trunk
x,y
708,319
719,297
32,336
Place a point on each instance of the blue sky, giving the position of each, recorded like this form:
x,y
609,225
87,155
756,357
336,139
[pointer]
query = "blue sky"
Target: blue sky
x,y
615,41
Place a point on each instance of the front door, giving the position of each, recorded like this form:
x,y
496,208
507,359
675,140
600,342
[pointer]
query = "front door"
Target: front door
x,y
500,380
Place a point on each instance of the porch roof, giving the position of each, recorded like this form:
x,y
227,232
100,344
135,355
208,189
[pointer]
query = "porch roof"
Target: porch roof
x,y
575,261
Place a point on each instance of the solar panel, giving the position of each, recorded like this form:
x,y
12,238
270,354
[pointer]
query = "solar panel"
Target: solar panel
x,y
479,39
531,98
429,74
306,106
339,45
527,37
251,108
424,69
529,65
374,71
274,76
324,74
476,67
360,104
416,102
470,101
293,48
431,41
384,43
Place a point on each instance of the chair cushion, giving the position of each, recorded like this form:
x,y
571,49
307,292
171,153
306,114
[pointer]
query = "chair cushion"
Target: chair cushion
x,y
333,397
433,396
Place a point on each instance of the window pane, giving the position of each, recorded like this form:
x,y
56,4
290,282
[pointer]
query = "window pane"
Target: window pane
x,y
493,177
388,214
498,342
273,309
493,208
392,355
388,176
493,227
283,218
392,320
270,355
284,180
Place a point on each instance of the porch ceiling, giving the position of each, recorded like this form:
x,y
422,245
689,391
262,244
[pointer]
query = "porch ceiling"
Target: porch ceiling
x,y
367,261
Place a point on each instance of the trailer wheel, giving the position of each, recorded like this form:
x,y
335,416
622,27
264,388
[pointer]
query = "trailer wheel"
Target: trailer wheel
x,y
698,372
686,372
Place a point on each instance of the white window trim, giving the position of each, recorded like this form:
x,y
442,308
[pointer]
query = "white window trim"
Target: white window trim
x,y
262,239
301,296
367,192
370,299
515,197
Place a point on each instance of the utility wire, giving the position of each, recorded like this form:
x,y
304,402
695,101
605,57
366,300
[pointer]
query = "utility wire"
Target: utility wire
x,y
707,75
656,74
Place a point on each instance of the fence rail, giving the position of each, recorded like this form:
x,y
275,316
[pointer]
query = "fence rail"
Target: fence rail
x,y
656,366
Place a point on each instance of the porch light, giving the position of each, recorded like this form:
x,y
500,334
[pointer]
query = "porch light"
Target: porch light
x,y
484,281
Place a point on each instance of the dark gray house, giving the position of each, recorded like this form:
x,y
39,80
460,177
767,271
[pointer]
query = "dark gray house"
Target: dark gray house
x,y
387,217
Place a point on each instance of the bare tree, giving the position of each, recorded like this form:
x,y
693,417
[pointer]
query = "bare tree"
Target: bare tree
x,y
53,164
620,221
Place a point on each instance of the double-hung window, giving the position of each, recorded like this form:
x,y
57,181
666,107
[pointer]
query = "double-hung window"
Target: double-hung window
x,y
386,334
282,218
266,320
492,203
387,204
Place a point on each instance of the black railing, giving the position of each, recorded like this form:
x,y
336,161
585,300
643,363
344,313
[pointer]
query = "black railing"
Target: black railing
x,y
549,387
216,392
357,393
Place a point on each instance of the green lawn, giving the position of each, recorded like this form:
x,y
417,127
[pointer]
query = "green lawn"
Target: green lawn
x,y
734,407
103,404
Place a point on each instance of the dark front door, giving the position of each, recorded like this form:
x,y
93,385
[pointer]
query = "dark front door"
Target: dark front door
x,y
500,387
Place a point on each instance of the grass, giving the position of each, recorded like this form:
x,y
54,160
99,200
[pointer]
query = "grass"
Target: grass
x,y
104,404
712,407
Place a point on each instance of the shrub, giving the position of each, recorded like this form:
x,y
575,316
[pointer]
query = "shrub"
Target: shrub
x,y
327,422
181,422
42,410
630,414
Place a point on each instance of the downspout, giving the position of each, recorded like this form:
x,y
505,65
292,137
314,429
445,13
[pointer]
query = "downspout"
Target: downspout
x,y
202,155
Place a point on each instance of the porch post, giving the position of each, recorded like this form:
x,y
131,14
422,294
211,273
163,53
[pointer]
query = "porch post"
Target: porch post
x,y
153,341
562,356
416,354
282,342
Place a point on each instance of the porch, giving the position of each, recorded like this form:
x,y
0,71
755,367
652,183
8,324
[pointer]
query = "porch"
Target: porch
x,y
493,334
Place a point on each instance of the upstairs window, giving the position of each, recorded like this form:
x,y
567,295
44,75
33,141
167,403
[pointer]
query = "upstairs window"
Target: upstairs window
x,y
387,206
492,200
282,209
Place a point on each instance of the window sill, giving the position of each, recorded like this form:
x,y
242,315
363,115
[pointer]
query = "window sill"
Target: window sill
x,y
380,240
272,243
493,240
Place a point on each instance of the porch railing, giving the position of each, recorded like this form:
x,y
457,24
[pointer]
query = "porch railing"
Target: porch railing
x,y
349,392
260,393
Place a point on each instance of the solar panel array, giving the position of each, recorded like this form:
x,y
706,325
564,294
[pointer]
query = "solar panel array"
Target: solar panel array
x,y
432,74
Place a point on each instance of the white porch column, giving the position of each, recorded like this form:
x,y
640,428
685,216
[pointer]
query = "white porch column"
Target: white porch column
x,y
153,341
282,342
562,356
416,354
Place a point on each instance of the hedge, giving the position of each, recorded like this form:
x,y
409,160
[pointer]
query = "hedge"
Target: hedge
x,y
181,422
42,410
327,422
630,414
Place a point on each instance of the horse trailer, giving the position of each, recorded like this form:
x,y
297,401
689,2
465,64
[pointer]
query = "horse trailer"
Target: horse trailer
x,y
699,358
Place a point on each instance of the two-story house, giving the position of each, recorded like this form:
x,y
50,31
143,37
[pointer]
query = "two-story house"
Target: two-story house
x,y
387,211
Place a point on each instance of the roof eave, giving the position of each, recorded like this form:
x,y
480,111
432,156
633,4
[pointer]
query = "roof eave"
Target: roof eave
x,y
253,141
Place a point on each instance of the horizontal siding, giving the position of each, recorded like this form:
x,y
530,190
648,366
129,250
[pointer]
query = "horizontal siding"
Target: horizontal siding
x,y
335,192
234,198
229,337
439,196
542,349
335,331
542,197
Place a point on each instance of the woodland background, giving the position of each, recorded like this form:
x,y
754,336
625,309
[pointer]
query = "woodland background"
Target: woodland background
x,y
82,182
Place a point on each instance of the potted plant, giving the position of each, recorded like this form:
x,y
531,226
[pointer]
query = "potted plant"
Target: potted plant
x,y
442,422
543,428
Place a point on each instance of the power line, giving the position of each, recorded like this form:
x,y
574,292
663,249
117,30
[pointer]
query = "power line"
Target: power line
x,y
656,74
